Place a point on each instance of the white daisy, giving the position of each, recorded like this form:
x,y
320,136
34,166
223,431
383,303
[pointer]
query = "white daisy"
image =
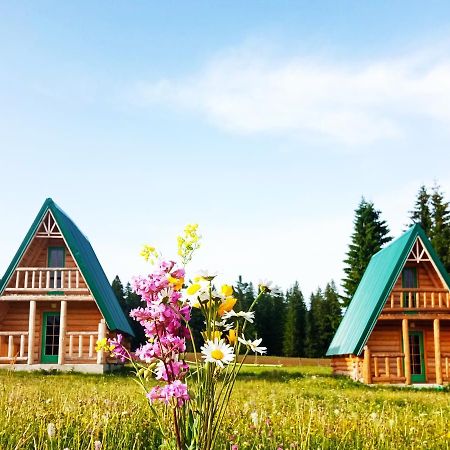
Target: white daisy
x,y
217,352
207,275
248,316
264,285
253,345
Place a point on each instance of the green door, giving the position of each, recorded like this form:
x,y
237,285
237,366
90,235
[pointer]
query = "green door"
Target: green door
x,y
50,338
417,357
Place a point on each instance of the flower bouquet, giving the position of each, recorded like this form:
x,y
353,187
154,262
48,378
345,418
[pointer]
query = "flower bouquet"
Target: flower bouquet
x,y
191,397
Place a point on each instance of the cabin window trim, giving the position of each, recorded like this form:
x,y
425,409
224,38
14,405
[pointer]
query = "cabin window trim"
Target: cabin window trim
x,y
48,359
59,274
412,270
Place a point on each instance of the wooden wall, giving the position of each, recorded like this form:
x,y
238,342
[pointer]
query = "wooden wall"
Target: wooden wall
x,y
36,255
387,338
427,278
81,316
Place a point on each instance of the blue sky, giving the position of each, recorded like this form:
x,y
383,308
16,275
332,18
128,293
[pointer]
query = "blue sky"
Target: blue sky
x,y
265,122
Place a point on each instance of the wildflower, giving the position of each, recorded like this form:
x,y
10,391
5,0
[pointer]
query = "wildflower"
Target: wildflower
x,y
206,275
193,289
102,344
188,243
217,352
232,336
264,285
176,390
253,345
227,290
97,445
149,253
226,306
234,447
51,430
254,417
248,316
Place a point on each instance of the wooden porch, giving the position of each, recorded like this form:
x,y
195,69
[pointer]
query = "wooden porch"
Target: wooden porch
x,y
395,367
73,347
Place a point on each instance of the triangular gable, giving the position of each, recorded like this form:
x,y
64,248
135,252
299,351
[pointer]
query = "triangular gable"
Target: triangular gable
x,y
375,286
85,259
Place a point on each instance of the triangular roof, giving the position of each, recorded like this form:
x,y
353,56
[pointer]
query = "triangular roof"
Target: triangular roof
x,y
376,284
86,260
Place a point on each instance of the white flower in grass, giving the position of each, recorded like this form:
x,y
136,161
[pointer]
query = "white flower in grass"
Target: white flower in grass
x,y
218,352
248,316
253,345
51,430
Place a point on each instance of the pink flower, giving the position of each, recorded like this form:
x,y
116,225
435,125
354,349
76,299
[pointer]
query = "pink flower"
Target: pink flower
x,y
118,349
176,390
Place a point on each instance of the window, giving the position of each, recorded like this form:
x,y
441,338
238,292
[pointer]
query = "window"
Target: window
x,y
409,283
56,258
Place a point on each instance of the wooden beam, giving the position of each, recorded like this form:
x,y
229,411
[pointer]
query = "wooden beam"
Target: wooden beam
x,y
46,298
414,317
101,335
367,369
437,350
31,330
62,333
405,336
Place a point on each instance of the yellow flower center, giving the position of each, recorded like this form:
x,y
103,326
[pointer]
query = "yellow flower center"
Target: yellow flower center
x,y
217,354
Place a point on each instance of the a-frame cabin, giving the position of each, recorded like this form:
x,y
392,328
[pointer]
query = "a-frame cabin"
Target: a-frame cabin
x,y
397,326
55,300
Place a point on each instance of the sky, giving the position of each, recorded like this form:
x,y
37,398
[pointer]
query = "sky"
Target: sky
x,y
265,122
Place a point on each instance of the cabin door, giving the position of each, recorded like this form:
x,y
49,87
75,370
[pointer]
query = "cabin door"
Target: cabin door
x,y
50,338
417,357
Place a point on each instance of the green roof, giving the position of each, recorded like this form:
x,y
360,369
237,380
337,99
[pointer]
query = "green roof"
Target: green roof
x,y
376,284
86,260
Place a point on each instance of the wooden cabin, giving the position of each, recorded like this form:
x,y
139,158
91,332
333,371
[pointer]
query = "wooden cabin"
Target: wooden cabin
x,y
55,300
397,326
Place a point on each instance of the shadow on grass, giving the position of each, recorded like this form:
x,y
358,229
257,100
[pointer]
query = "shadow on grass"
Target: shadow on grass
x,y
270,375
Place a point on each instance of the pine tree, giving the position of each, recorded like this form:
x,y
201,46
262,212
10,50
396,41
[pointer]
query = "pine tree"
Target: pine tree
x,y
270,313
117,287
422,213
313,317
369,235
433,214
331,315
440,232
295,324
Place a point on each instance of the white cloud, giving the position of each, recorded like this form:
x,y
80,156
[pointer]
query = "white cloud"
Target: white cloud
x,y
350,102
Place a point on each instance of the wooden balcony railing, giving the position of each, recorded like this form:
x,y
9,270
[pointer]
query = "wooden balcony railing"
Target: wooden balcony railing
x,y
419,299
80,351
42,279
383,367
387,367
16,346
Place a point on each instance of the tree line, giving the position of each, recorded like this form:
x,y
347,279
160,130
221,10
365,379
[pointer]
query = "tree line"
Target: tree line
x,y
286,323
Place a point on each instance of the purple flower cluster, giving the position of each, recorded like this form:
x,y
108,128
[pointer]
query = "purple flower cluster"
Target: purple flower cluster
x,y
164,319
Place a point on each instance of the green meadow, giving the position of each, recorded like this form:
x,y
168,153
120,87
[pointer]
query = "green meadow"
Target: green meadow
x,y
271,408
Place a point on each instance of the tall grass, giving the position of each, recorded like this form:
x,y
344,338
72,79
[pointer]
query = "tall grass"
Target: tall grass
x,y
288,408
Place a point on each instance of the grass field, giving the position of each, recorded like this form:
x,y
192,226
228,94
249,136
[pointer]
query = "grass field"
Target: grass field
x,y
272,408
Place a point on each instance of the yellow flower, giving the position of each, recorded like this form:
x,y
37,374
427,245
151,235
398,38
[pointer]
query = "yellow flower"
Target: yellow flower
x,y
232,337
226,305
149,253
227,290
214,335
188,243
193,288
102,344
177,283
